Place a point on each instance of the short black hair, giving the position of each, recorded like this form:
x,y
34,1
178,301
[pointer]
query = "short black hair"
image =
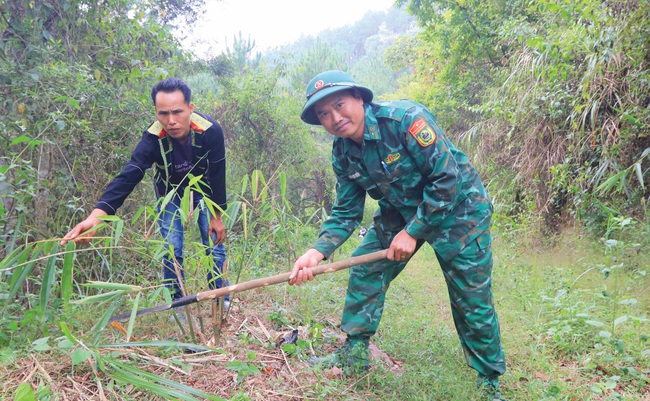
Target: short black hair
x,y
170,85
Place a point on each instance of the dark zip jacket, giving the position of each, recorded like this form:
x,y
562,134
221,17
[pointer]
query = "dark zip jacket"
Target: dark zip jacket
x,y
155,148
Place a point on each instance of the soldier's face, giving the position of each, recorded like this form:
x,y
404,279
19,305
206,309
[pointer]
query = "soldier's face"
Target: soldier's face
x,y
342,115
174,114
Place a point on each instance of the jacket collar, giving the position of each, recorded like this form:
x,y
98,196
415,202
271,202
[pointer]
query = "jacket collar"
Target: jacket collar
x,y
197,124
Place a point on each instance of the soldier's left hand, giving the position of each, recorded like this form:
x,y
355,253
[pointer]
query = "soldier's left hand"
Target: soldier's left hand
x,y
402,247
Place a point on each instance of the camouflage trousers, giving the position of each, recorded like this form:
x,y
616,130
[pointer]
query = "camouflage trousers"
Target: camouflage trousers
x,y
470,292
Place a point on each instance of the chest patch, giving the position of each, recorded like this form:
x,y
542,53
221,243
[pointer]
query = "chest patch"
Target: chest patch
x,y
392,158
422,132
355,175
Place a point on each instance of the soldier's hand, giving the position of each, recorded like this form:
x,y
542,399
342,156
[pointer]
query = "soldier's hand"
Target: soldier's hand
x,y
301,272
402,247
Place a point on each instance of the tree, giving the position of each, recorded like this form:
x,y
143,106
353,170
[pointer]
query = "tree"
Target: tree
x,y
551,90
318,58
74,82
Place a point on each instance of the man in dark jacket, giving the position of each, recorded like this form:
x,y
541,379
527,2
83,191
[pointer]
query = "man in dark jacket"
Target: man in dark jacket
x,y
427,192
179,143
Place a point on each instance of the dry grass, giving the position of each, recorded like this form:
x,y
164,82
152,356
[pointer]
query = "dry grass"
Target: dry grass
x,y
245,332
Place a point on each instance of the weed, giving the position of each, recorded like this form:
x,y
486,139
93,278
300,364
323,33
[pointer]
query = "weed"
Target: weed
x,y
244,369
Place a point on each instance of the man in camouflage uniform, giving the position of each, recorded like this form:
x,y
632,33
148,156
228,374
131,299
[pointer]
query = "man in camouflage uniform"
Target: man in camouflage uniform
x,y
427,191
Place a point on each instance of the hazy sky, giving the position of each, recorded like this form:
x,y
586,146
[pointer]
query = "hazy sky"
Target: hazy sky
x,y
275,22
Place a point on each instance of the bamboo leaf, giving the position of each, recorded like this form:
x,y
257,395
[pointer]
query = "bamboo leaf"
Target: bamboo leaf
x,y
244,185
109,217
18,277
255,181
265,189
283,186
103,321
613,181
19,224
138,213
167,199
67,273
21,272
107,296
194,180
184,210
645,153
112,286
50,248
167,388
67,333
161,344
134,311
119,228
12,258
245,222
639,174
164,392
233,214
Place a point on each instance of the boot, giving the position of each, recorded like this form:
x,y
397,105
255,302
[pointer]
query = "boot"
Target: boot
x,y
490,387
352,355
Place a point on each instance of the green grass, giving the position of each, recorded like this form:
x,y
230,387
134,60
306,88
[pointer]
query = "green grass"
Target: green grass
x,y
569,331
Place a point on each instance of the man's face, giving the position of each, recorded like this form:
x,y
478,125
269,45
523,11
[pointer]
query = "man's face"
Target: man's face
x,y
342,115
174,114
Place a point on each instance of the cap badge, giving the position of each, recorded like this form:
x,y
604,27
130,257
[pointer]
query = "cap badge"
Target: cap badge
x,y
319,84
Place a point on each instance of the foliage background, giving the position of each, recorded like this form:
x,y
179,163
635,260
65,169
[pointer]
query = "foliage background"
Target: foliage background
x,y
549,98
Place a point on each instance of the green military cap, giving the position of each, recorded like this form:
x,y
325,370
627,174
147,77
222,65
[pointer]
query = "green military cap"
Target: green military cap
x,y
323,85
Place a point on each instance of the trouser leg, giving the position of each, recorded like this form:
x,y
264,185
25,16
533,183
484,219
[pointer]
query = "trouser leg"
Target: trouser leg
x,y
468,277
171,229
367,287
215,275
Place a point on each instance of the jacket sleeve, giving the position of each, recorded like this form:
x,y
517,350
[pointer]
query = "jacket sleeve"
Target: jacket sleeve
x,y
434,157
346,215
123,184
217,165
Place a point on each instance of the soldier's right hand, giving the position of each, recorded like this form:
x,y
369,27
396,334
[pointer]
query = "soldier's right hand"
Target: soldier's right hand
x,y
301,272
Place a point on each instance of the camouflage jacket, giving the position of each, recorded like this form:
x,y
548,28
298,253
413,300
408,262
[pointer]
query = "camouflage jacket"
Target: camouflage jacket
x,y
421,181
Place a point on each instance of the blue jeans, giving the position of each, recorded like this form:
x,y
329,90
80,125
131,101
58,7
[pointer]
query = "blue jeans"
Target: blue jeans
x,y
171,228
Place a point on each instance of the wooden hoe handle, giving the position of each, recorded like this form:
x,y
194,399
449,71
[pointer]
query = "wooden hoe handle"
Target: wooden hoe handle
x,y
257,283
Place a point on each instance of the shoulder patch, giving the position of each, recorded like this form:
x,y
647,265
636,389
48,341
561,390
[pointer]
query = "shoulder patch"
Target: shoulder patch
x,y
198,123
422,132
157,129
